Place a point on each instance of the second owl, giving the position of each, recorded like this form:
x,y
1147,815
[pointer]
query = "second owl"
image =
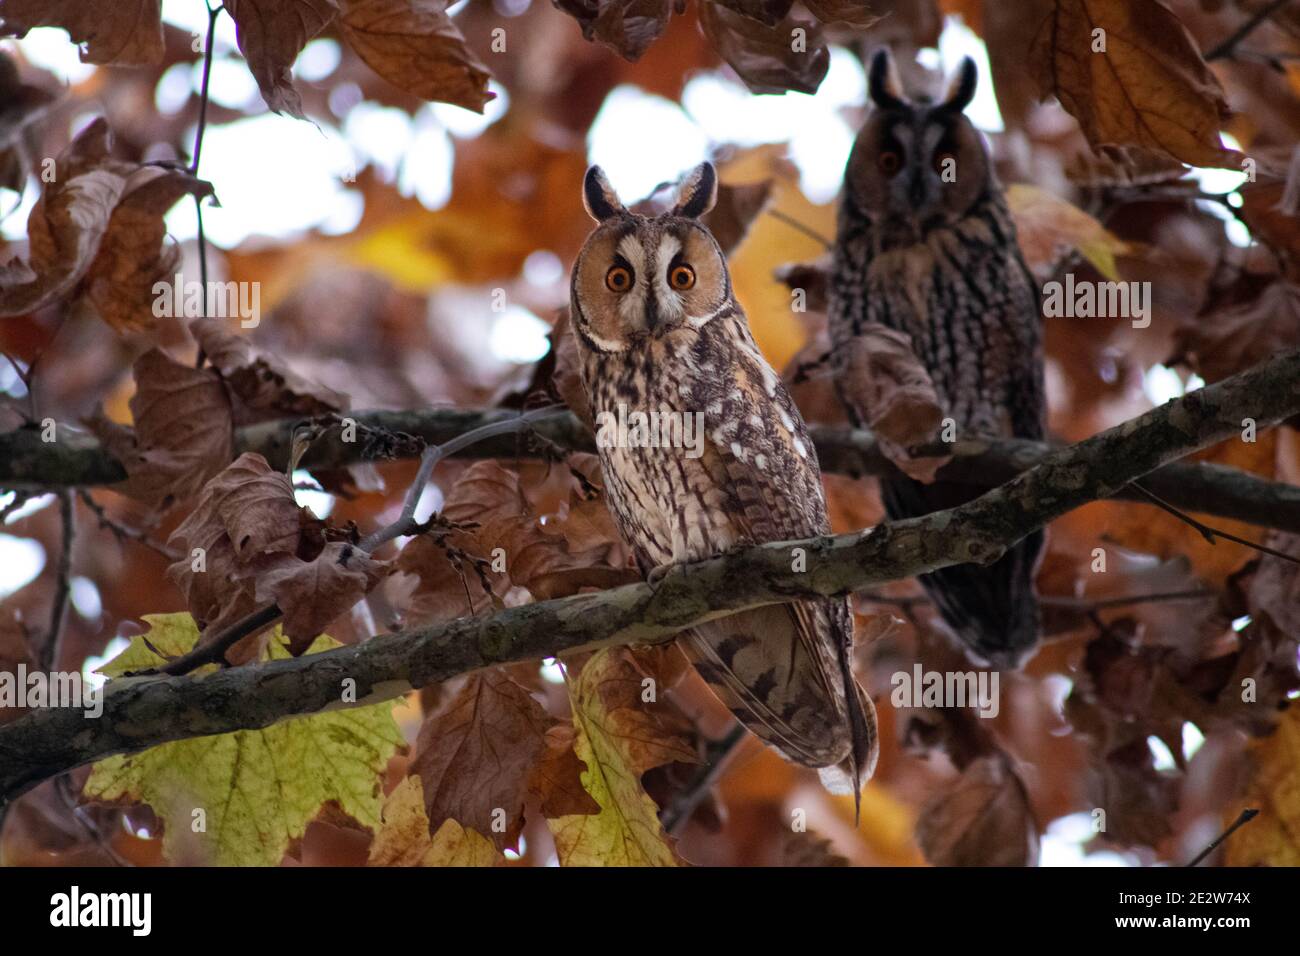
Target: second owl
x,y
926,246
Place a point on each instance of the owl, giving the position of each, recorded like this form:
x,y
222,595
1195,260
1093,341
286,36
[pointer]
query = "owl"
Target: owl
x,y
660,334
925,245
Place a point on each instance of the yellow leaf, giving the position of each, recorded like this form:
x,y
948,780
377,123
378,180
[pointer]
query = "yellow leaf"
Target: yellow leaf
x,y
626,831
404,840
240,799
1272,838
1046,223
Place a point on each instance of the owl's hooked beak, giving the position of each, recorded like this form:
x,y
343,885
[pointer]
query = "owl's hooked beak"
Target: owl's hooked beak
x,y
652,318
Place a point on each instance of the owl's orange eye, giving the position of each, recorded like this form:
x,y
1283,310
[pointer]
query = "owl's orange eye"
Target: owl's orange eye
x,y
618,279
682,278
889,162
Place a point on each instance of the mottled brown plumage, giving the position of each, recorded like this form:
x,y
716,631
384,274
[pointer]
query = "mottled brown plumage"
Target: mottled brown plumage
x,y
926,245
659,330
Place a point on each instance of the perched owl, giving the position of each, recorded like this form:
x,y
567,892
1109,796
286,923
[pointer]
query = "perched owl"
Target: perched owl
x,y
659,330
925,245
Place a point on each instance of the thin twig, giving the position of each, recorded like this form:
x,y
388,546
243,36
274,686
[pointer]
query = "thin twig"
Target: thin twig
x,y
1209,533
717,754
1101,604
213,14
1246,816
1228,47
800,227
48,658
429,458
63,786
121,531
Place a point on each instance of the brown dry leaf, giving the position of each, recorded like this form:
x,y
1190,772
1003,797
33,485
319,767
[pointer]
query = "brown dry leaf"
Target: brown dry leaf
x,y
769,59
264,387
1273,838
627,27
403,838
1150,88
1275,588
1263,209
566,380
1046,225
984,820
809,849
855,13
812,278
557,779
21,106
271,34
123,32
313,593
243,516
1240,335
67,224
477,756
897,394
414,45
770,12
132,257
182,435
1168,537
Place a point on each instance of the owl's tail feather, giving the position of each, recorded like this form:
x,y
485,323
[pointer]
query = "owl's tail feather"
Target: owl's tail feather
x,y
759,665
993,609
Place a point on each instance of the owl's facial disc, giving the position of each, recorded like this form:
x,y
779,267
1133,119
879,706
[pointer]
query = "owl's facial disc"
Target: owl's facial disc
x,y
917,165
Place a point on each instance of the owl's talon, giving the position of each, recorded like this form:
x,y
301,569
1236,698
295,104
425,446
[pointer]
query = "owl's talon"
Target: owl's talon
x,y
656,575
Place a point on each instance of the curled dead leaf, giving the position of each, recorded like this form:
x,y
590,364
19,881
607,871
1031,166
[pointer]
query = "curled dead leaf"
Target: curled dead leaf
x,y
182,434
124,32
415,46
271,34
896,394
789,55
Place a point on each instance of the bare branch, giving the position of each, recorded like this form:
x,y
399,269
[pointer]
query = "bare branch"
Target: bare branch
x,y
27,463
142,712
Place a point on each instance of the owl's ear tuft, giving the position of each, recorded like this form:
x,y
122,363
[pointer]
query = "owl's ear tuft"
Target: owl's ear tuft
x,y
885,87
598,196
961,88
698,192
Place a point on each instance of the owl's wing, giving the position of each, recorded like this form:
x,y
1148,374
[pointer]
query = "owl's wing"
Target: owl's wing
x,y
784,669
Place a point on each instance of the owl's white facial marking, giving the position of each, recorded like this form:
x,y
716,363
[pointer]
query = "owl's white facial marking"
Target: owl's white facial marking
x,y
632,304
671,308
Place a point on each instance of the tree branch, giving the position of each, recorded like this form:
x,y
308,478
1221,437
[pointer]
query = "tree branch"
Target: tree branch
x,y
27,463
142,712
